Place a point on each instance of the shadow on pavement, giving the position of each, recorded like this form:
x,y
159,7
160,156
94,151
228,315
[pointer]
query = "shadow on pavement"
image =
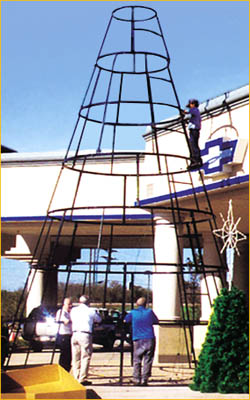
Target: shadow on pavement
x,y
91,394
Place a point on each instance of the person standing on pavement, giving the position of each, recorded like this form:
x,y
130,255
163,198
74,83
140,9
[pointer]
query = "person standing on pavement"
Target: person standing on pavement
x,y
83,318
143,337
65,333
194,125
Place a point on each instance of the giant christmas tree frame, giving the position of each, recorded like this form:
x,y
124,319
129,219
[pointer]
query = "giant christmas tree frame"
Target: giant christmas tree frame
x,y
123,97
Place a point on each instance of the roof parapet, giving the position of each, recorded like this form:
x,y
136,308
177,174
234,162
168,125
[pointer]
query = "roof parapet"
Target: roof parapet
x,y
208,106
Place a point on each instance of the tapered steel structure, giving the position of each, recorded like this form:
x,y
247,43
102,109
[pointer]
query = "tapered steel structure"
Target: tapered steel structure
x,y
131,90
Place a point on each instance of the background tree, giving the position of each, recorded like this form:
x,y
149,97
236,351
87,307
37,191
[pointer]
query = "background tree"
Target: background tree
x,y
9,302
10,299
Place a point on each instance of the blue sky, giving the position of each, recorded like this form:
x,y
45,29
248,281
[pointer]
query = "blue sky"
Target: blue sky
x,y
49,50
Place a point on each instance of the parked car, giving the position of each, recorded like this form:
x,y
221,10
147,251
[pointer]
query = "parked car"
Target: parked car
x,y
110,329
40,328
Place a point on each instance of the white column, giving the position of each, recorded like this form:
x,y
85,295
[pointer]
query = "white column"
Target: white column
x,y
40,281
166,301
210,284
35,290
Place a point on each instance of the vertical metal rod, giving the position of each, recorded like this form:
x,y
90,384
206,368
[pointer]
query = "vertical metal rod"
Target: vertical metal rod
x,y
132,31
87,114
72,138
201,257
137,178
181,115
132,307
71,249
163,39
180,284
132,290
153,125
207,198
39,238
106,107
45,241
153,234
124,199
92,264
97,252
175,196
116,122
174,89
95,267
84,283
105,35
215,283
67,282
77,186
54,191
180,276
52,256
222,262
79,116
90,277
108,266
123,313
25,292
194,192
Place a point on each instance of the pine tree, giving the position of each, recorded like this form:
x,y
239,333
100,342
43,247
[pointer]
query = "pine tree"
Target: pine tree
x,y
223,364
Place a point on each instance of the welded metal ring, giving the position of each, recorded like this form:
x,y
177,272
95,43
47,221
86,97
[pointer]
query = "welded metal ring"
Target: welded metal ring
x,y
114,60
129,102
151,10
72,214
76,163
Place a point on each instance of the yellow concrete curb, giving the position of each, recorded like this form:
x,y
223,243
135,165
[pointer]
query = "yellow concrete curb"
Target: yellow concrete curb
x,y
44,382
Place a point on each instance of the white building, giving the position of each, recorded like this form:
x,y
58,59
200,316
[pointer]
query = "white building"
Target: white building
x,y
28,181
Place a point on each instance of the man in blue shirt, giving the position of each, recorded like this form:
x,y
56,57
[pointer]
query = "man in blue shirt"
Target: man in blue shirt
x,y
194,126
143,337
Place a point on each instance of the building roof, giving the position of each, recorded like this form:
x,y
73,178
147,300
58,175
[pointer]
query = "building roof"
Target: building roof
x,y
5,149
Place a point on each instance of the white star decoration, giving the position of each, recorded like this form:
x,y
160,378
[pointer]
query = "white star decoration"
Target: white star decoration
x,y
229,232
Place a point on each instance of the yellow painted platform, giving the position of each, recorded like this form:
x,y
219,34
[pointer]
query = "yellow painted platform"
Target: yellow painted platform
x,y
43,382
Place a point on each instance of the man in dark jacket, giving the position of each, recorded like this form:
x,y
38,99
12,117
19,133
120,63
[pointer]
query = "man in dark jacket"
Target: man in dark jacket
x,y
194,126
143,337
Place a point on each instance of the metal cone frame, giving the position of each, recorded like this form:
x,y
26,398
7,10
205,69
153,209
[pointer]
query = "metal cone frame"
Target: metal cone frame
x,y
101,198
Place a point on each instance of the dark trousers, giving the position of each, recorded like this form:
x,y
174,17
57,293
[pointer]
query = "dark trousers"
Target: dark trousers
x,y
194,145
144,350
64,344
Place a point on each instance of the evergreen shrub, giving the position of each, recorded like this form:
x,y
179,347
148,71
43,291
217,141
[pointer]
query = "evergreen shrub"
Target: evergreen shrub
x,y
223,364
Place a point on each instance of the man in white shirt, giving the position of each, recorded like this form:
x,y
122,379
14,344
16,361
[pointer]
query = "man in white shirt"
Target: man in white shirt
x,y
83,318
65,333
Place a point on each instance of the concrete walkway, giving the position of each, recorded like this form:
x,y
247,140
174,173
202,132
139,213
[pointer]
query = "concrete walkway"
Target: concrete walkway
x,y
154,392
168,381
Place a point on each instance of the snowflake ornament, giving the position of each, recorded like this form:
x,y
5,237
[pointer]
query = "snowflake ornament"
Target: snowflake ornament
x,y
229,232
230,236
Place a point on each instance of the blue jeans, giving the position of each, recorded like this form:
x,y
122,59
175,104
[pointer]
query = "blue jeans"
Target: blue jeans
x,y
144,350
